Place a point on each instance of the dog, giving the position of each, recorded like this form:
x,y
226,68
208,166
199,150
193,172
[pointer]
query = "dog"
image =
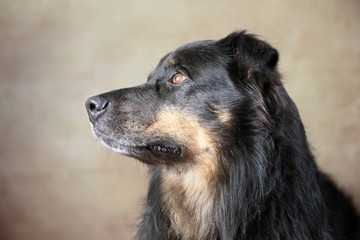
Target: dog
x,y
226,148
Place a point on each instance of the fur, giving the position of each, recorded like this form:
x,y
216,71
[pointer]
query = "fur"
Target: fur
x,y
227,151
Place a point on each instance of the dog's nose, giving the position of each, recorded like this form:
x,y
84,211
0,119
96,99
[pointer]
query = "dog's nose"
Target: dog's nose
x,y
96,106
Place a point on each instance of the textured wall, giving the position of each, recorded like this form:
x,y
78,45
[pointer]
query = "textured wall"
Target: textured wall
x,y
57,182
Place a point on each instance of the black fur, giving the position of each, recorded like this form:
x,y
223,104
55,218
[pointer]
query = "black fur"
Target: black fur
x,y
266,184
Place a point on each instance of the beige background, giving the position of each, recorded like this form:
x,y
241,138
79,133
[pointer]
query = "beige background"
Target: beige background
x,y
57,182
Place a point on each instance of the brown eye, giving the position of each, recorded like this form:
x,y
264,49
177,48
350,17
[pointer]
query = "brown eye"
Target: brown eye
x,y
178,78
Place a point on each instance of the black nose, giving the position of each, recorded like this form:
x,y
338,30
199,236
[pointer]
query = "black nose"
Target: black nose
x,y
96,106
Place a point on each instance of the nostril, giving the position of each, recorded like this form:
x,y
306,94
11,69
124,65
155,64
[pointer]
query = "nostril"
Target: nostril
x,y
105,105
92,106
95,106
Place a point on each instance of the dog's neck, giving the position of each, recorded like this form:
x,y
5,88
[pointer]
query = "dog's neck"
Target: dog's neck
x,y
189,197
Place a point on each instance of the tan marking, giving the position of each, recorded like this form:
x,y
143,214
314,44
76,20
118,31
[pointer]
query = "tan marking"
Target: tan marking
x,y
189,197
223,114
182,127
189,188
170,62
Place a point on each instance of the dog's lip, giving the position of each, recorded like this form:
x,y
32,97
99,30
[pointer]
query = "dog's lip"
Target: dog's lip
x,y
151,152
165,147
160,152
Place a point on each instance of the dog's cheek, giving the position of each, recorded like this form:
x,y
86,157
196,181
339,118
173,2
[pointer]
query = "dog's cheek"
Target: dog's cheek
x,y
185,130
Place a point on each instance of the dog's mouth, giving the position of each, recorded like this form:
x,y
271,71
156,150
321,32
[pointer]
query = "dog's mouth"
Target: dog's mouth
x,y
152,152
164,150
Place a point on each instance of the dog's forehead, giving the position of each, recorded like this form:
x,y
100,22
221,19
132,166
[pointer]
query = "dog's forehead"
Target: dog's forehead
x,y
192,57
190,52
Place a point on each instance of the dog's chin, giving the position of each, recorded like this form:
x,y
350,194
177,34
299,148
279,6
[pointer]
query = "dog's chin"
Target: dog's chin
x,y
115,146
156,152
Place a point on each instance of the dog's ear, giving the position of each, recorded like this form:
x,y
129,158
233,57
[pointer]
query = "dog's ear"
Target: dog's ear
x,y
250,51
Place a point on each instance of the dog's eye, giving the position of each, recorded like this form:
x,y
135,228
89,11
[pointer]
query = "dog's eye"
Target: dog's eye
x,y
178,78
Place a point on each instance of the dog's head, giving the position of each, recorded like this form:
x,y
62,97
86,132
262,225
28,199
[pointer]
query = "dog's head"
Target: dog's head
x,y
199,100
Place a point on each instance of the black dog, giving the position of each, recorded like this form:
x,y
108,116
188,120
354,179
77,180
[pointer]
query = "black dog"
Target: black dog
x,y
227,150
